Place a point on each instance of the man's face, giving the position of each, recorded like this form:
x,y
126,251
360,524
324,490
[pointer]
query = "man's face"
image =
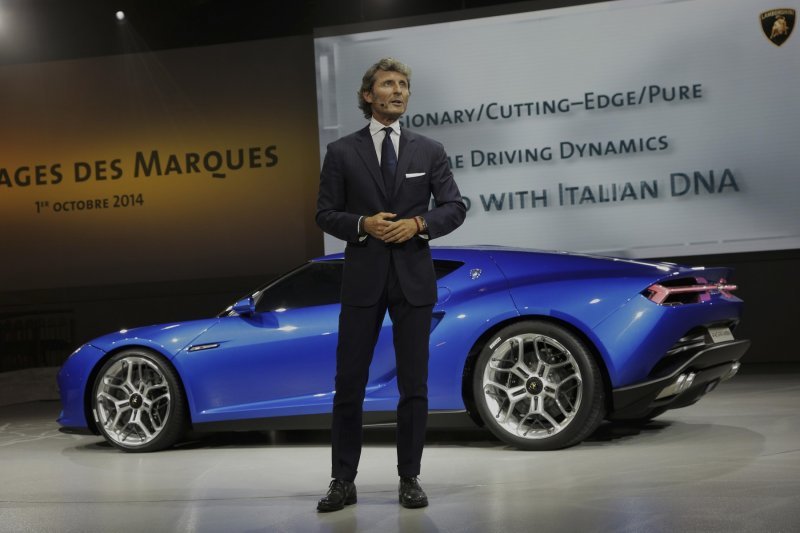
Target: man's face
x,y
389,96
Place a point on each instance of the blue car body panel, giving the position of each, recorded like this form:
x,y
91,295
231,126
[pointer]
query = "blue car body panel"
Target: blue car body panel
x,y
264,363
74,376
73,379
602,298
167,339
282,362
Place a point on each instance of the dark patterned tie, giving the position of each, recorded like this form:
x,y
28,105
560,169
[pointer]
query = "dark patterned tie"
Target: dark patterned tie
x,y
388,162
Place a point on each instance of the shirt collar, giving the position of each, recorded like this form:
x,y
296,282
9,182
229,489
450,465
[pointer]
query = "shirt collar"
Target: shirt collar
x,y
375,127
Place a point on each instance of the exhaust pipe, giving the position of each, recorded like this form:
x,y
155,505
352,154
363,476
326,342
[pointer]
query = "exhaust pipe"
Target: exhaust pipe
x,y
683,382
732,372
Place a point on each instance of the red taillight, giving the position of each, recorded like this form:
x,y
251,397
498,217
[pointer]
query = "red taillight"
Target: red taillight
x,y
694,291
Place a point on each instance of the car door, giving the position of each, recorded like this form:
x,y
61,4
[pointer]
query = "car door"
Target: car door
x,y
281,360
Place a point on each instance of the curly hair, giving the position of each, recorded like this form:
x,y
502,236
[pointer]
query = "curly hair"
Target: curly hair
x,y
388,64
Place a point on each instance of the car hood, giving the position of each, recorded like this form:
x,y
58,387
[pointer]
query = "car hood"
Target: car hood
x,y
169,338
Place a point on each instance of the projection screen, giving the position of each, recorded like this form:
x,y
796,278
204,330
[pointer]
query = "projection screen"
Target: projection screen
x,y
631,128
194,163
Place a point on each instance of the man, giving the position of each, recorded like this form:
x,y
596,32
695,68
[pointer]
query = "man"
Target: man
x,y
375,189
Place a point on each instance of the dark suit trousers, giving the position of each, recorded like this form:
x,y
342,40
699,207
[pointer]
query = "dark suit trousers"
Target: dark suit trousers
x,y
358,333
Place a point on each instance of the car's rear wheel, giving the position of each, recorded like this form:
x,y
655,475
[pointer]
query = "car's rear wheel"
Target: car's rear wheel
x,y
138,403
537,386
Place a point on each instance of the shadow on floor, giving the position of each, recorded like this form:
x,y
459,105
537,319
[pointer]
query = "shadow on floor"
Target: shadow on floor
x,y
472,437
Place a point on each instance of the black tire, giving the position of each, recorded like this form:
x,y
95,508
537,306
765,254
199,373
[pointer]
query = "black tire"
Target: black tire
x,y
138,403
552,400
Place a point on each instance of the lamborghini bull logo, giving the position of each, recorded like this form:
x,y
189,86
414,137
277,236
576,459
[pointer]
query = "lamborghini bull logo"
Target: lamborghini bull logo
x,y
778,24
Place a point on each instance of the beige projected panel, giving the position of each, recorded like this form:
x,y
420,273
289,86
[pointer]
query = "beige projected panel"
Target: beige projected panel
x,y
183,164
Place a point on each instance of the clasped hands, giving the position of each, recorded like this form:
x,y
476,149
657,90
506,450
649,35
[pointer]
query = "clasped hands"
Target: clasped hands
x,y
381,227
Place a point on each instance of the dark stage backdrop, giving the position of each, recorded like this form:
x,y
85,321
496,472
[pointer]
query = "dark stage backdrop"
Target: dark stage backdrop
x,y
156,187
149,187
176,165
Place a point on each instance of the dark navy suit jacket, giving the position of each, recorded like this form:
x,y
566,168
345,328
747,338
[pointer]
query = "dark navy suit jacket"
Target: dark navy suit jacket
x,y
351,186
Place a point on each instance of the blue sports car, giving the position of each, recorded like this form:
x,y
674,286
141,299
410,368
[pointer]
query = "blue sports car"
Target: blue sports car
x,y
539,347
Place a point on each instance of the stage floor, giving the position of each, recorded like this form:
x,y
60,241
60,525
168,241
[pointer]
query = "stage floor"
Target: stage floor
x,y
728,463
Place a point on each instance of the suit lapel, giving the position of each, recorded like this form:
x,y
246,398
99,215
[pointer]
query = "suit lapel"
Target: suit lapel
x,y
366,150
407,148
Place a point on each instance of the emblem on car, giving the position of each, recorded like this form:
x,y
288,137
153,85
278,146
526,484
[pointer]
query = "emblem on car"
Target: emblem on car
x,y
136,401
534,386
475,273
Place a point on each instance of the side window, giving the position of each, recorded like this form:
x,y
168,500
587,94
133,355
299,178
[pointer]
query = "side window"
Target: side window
x,y
314,284
444,267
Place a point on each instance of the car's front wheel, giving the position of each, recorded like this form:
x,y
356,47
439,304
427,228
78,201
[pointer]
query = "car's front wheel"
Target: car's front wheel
x,y
138,403
537,386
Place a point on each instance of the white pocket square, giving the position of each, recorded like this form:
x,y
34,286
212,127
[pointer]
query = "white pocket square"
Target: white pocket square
x,y
415,175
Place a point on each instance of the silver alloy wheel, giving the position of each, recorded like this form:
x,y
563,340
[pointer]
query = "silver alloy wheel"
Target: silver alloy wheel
x,y
133,401
532,385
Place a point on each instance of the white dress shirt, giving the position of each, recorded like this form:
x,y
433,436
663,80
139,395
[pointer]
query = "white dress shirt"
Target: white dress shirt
x,y
378,135
376,130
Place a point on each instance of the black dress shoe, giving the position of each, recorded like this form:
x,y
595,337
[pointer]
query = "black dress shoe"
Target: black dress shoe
x,y
411,494
340,493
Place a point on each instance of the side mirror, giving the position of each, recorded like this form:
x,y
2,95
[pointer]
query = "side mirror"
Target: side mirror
x,y
245,306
